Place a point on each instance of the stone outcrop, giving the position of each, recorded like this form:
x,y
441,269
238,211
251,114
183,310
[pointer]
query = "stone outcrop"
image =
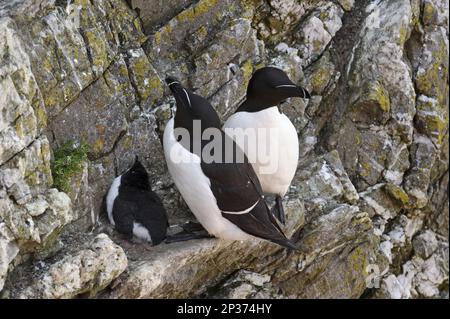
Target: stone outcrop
x,y
368,206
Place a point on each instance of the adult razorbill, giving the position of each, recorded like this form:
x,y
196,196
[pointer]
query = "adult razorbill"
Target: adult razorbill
x,y
226,198
274,152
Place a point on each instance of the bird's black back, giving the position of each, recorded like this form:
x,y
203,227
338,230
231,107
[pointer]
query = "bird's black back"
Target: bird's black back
x,y
136,202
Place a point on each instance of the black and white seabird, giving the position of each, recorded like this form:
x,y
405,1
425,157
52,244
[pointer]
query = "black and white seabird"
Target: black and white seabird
x,y
225,197
275,162
134,209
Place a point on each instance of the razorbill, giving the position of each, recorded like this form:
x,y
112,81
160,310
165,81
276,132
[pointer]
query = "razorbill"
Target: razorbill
x,y
225,196
274,153
134,209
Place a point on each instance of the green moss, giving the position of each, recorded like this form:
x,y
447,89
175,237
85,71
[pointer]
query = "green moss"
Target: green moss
x,y
68,161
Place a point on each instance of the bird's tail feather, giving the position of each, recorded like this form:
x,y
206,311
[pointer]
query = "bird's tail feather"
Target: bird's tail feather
x,y
286,244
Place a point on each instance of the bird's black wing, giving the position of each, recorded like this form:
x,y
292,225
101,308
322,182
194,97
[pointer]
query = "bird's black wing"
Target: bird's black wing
x,y
237,188
147,209
259,222
233,190
233,180
123,216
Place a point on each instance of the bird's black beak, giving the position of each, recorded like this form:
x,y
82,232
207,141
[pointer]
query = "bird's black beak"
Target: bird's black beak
x,y
292,90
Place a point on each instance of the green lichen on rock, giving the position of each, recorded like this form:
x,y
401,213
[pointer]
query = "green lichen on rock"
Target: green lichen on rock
x,y
372,105
68,161
98,49
428,12
397,193
199,9
430,73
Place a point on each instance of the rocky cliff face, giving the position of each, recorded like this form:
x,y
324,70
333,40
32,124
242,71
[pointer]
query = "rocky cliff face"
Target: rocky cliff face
x,y
81,94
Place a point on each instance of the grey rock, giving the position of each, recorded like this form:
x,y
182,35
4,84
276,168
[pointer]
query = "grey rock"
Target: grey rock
x,y
245,285
323,181
88,270
8,251
317,31
234,50
425,244
347,4
379,200
156,12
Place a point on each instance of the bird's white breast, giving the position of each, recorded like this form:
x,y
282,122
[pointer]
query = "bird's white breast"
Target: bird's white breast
x,y
111,197
274,153
194,186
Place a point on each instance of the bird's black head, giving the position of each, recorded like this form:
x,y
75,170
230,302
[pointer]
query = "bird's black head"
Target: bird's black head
x,y
270,86
136,176
191,107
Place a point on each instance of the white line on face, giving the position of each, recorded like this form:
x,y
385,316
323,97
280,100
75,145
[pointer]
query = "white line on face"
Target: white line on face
x,y
286,86
174,82
187,95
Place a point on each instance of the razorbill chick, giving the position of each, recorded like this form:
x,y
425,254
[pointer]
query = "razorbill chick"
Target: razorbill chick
x,y
274,153
134,209
225,197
